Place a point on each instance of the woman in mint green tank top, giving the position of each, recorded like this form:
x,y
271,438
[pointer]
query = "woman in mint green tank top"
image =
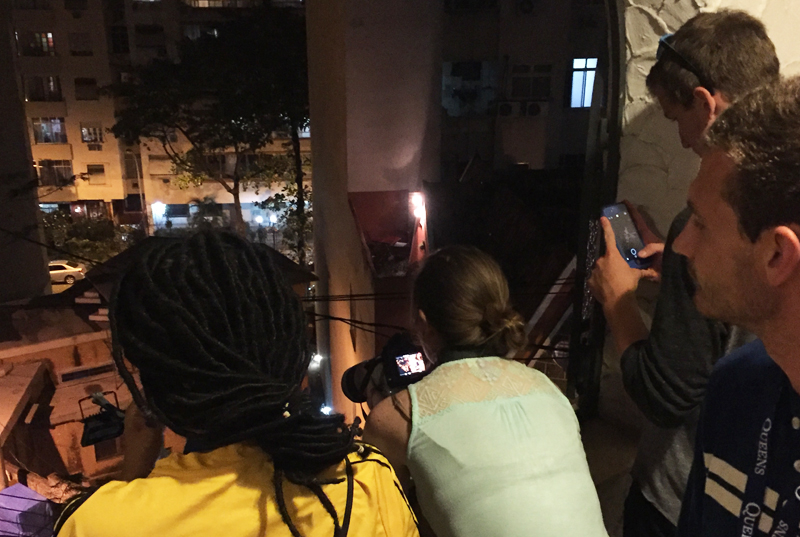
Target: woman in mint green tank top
x,y
491,447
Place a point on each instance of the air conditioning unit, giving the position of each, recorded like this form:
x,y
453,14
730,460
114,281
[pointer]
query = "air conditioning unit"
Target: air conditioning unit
x,y
508,108
534,109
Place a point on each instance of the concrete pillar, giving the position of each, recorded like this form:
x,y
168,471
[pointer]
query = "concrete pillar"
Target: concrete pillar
x,y
339,258
24,263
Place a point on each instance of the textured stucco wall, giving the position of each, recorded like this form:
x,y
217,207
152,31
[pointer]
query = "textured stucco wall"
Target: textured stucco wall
x,y
656,171
339,258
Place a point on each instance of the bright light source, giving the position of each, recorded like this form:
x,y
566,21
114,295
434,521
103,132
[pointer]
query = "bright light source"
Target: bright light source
x,y
316,361
78,209
325,409
159,209
419,213
417,200
273,219
259,219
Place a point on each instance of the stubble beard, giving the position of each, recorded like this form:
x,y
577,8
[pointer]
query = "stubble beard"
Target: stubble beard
x,y
747,302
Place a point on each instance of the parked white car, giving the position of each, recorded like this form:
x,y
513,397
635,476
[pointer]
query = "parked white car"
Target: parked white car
x,y
66,272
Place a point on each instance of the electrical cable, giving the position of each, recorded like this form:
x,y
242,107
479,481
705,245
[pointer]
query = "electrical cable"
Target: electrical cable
x,y
355,321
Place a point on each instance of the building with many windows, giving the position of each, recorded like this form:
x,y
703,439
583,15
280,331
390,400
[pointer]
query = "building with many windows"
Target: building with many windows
x,y
67,51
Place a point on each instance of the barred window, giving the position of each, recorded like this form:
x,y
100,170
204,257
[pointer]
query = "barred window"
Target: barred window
x,y
49,130
92,132
53,172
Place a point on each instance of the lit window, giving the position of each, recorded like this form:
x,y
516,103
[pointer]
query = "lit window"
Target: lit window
x,y
35,44
49,130
48,207
583,74
92,133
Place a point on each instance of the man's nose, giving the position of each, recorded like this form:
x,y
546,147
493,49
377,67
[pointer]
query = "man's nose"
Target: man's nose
x,y
682,243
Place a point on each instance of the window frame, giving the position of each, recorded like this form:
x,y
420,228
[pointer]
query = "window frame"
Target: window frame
x,y
43,44
92,132
52,172
39,136
45,84
583,74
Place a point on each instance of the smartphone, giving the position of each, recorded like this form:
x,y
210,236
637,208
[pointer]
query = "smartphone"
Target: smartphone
x,y
629,242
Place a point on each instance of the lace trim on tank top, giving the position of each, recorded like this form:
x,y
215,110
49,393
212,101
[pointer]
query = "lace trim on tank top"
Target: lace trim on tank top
x,y
476,380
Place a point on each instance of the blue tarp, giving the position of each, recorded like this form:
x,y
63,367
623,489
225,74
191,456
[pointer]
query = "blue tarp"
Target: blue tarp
x,y
24,513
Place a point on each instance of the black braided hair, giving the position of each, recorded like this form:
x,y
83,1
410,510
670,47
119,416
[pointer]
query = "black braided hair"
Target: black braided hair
x,y
220,343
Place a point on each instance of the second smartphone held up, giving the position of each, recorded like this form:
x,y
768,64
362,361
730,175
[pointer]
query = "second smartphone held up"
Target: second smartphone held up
x,y
629,242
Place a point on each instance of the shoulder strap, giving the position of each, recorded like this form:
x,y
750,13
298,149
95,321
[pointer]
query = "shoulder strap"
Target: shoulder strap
x,y
399,407
71,506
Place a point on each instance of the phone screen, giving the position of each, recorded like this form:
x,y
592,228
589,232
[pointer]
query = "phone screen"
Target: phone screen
x,y
629,242
408,364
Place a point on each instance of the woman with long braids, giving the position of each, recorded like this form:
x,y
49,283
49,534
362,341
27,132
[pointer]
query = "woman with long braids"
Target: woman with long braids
x,y
219,341
493,447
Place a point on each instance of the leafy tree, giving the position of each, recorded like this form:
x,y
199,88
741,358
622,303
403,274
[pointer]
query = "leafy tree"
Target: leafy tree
x,y
296,233
229,94
86,238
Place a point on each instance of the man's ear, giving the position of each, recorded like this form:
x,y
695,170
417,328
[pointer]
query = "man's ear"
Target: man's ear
x,y
713,105
782,253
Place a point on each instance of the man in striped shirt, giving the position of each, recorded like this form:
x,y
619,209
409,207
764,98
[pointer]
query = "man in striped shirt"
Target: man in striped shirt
x,y
742,244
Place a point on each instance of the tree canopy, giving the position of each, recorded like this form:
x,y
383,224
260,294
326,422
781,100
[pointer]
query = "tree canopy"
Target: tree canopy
x,y
232,90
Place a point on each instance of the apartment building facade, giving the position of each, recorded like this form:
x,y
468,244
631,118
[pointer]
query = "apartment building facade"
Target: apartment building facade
x,y
67,52
410,96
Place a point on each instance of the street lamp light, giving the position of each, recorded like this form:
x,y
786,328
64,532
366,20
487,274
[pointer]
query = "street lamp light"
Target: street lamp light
x,y
159,210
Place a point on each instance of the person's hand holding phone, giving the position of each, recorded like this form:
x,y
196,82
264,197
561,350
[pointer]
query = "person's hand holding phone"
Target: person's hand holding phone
x,y
612,277
654,245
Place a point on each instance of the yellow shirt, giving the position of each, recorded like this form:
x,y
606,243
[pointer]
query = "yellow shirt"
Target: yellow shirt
x,y
229,492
